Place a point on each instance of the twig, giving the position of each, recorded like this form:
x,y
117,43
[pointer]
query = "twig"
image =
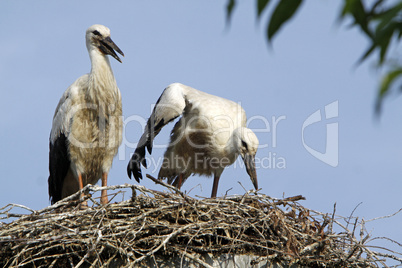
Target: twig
x,y
168,237
384,217
330,228
171,187
289,199
193,258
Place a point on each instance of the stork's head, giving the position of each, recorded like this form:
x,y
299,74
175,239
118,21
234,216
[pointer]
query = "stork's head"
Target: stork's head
x,y
247,145
98,39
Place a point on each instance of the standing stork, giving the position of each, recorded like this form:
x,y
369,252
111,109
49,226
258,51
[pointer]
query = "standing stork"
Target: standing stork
x,y
87,125
209,136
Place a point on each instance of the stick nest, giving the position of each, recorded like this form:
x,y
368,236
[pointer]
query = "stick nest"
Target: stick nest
x,y
154,223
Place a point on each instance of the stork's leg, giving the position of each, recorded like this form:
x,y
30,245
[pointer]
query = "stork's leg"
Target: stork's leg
x,y
215,186
104,199
180,182
83,204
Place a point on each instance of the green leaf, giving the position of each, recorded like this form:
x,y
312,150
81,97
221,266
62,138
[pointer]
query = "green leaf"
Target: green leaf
x,y
284,10
387,16
356,9
367,53
385,86
229,10
346,8
384,40
261,5
388,26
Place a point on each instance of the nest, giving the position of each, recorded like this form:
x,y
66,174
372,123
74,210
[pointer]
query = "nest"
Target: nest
x,y
152,226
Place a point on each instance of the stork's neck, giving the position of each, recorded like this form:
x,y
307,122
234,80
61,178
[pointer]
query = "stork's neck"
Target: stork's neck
x,y
232,147
102,87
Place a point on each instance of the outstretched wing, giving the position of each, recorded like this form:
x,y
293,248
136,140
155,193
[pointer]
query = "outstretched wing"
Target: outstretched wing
x,y
169,106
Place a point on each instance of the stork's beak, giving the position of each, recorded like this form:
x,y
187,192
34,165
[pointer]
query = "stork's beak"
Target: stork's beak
x,y
249,161
107,46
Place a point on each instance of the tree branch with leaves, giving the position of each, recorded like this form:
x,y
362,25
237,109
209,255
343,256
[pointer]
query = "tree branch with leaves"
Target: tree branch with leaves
x,y
380,21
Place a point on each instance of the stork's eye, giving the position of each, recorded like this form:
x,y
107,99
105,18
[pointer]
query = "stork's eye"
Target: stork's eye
x,y
244,145
96,33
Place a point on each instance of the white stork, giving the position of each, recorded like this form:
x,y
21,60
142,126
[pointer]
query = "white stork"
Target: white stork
x,y
209,136
87,125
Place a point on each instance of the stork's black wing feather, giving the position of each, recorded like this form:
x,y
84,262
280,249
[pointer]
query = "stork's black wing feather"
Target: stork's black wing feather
x,y
146,141
168,107
134,165
59,163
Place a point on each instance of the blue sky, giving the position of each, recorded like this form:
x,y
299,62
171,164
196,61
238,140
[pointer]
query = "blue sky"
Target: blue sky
x,y
311,64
